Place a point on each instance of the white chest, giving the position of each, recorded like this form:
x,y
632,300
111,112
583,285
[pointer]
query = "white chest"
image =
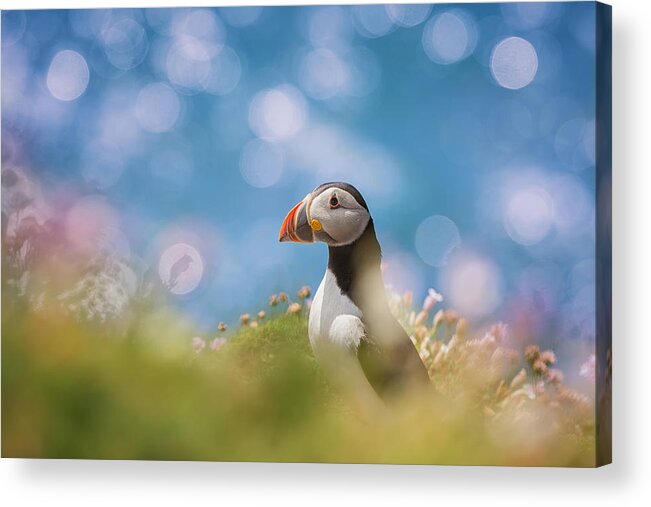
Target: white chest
x,y
334,318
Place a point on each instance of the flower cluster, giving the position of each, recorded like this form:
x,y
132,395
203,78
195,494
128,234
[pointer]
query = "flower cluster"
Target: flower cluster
x,y
276,301
293,307
199,344
489,371
508,385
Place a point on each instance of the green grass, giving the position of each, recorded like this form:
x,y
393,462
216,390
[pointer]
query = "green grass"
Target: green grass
x,y
68,393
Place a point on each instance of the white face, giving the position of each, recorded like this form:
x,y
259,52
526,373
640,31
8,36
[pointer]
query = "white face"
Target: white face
x,y
342,218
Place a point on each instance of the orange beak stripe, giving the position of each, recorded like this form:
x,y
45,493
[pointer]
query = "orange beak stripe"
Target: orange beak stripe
x,y
288,228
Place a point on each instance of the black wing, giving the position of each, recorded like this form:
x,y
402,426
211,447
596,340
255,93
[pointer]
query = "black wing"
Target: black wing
x,y
391,369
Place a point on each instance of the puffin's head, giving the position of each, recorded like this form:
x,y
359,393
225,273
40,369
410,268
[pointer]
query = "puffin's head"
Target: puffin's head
x,y
334,213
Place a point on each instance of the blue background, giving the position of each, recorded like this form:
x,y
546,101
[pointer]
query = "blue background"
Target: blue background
x,y
422,138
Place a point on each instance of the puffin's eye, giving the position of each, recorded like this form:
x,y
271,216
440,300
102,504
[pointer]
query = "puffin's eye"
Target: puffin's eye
x,y
334,202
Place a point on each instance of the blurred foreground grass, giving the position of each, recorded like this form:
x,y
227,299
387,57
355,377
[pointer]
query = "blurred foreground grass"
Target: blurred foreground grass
x,y
70,391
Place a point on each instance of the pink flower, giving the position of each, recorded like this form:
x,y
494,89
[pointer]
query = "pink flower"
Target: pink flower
x,y
420,318
431,299
293,309
548,357
499,331
539,367
304,292
198,344
532,353
554,376
217,343
451,317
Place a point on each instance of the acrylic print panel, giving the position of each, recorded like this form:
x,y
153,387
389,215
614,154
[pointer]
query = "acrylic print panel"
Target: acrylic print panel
x,y
438,177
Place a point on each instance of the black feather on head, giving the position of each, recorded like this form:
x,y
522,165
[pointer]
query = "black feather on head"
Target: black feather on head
x,y
344,186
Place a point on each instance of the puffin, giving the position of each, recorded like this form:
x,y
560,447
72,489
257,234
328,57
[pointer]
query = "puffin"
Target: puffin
x,y
350,326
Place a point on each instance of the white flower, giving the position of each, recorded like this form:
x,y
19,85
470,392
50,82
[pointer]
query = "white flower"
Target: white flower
x,y
588,368
432,298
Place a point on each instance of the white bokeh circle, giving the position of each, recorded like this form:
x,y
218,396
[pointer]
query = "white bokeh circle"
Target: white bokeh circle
x,y
436,237
68,75
157,107
180,268
449,37
529,215
514,63
261,163
278,114
408,15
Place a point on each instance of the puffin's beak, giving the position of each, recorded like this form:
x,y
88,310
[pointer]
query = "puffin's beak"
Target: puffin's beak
x,y
295,226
